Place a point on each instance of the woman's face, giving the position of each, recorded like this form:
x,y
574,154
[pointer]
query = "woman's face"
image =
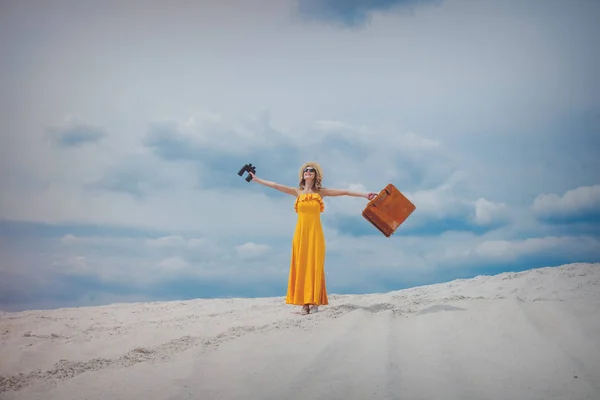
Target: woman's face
x,y
309,172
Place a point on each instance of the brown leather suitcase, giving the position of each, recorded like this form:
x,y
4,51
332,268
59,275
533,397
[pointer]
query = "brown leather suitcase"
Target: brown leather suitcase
x,y
388,210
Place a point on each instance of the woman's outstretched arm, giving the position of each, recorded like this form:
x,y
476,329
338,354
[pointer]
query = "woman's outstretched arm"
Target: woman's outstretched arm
x,y
345,192
274,185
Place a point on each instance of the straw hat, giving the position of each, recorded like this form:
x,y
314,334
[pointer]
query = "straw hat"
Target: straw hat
x,y
311,164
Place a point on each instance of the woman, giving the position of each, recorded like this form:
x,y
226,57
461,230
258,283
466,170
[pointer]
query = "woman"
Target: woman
x,y
306,282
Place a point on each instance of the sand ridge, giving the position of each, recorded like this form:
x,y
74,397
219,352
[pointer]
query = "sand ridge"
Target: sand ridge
x,y
533,334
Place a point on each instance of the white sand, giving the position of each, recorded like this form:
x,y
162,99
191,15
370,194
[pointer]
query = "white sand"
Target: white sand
x,y
529,335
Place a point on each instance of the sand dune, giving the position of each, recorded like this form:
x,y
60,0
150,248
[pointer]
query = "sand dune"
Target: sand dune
x,y
528,335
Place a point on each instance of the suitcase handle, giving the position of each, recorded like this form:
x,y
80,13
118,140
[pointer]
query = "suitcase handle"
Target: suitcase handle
x,y
375,198
385,189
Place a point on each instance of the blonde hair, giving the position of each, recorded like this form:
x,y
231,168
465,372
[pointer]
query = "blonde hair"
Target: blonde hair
x,y
317,185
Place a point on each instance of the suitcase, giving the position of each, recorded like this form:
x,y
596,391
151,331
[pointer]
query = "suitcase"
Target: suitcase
x,y
388,210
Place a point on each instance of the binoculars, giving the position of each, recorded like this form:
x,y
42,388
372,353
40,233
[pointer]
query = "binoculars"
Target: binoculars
x,y
247,168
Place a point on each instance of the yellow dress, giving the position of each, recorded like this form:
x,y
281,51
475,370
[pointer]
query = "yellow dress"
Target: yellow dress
x,y
306,283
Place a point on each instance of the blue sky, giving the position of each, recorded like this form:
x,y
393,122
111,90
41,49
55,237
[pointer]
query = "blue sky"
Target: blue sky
x,y
122,129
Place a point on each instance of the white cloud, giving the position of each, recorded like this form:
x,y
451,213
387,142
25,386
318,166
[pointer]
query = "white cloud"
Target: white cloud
x,y
487,212
443,200
72,241
173,210
339,127
179,205
574,203
543,246
413,141
251,249
173,264
197,243
357,187
69,239
167,241
76,265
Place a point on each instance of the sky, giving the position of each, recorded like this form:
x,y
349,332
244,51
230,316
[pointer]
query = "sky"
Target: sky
x,y
123,126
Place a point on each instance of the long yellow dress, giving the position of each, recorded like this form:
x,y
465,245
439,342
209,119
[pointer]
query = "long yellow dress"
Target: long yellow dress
x,y
306,283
